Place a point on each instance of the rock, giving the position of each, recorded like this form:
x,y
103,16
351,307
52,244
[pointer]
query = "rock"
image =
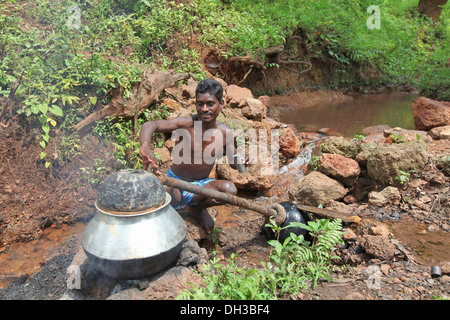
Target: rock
x,y
94,284
340,145
183,112
257,177
379,230
389,195
350,199
308,136
445,267
340,207
349,234
421,205
171,104
438,133
253,109
384,268
443,164
169,284
379,247
405,135
385,162
270,123
433,228
365,150
223,83
316,189
354,296
290,146
236,121
188,90
127,294
265,100
343,169
429,113
235,94
191,254
417,183
375,129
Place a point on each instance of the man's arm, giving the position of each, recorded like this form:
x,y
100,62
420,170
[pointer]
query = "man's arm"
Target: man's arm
x,y
146,136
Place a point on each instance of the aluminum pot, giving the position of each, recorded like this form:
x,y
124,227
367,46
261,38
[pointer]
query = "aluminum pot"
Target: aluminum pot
x,y
132,245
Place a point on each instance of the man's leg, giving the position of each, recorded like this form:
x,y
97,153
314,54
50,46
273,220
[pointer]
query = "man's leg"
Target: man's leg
x,y
199,211
175,194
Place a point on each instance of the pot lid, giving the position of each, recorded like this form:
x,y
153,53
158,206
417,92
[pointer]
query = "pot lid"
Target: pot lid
x,y
131,190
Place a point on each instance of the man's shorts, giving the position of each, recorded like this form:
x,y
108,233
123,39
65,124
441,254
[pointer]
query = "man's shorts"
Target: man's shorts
x,y
186,197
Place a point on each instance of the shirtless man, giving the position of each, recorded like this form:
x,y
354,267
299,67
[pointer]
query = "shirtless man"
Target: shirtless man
x,y
205,138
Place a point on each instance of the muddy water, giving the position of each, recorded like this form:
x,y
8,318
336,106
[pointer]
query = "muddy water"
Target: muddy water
x,y
430,247
20,260
349,114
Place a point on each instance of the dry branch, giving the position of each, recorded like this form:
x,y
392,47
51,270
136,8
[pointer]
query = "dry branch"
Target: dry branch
x,y
142,96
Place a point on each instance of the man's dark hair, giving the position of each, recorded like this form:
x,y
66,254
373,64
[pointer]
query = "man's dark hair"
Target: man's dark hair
x,y
213,87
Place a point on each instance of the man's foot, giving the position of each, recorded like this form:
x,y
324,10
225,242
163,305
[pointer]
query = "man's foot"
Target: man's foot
x,y
203,217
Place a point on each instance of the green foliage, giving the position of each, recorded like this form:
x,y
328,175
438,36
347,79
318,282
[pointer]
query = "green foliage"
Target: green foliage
x,y
315,260
122,134
397,138
314,163
67,72
96,174
405,45
229,281
403,178
293,264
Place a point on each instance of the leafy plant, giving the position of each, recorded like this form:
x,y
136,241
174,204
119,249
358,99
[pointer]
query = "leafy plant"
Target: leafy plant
x,y
358,138
228,281
397,138
123,136
315,260
403,178
96,174
314,163
292,264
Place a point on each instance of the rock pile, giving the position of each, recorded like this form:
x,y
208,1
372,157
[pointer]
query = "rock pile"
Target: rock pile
x,y
374,168
390,171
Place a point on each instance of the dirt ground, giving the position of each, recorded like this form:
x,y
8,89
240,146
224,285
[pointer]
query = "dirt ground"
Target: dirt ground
x,y
33,199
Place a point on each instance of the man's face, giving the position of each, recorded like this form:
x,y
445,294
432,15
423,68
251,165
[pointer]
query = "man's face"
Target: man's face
x,y
208,107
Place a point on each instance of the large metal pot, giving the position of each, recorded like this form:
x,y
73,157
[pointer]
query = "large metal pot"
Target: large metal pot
x,y
138,243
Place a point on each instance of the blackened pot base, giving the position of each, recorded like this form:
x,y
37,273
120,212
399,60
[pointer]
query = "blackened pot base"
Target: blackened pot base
x,y
136,268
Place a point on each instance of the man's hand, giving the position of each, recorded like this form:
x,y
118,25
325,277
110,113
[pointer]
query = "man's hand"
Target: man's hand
x,y
149,158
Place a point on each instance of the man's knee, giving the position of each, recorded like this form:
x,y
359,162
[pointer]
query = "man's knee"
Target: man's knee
x,y
175,194
229,187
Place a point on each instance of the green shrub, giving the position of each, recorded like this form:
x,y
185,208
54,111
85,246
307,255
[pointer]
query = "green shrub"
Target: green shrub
x,y
292,266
